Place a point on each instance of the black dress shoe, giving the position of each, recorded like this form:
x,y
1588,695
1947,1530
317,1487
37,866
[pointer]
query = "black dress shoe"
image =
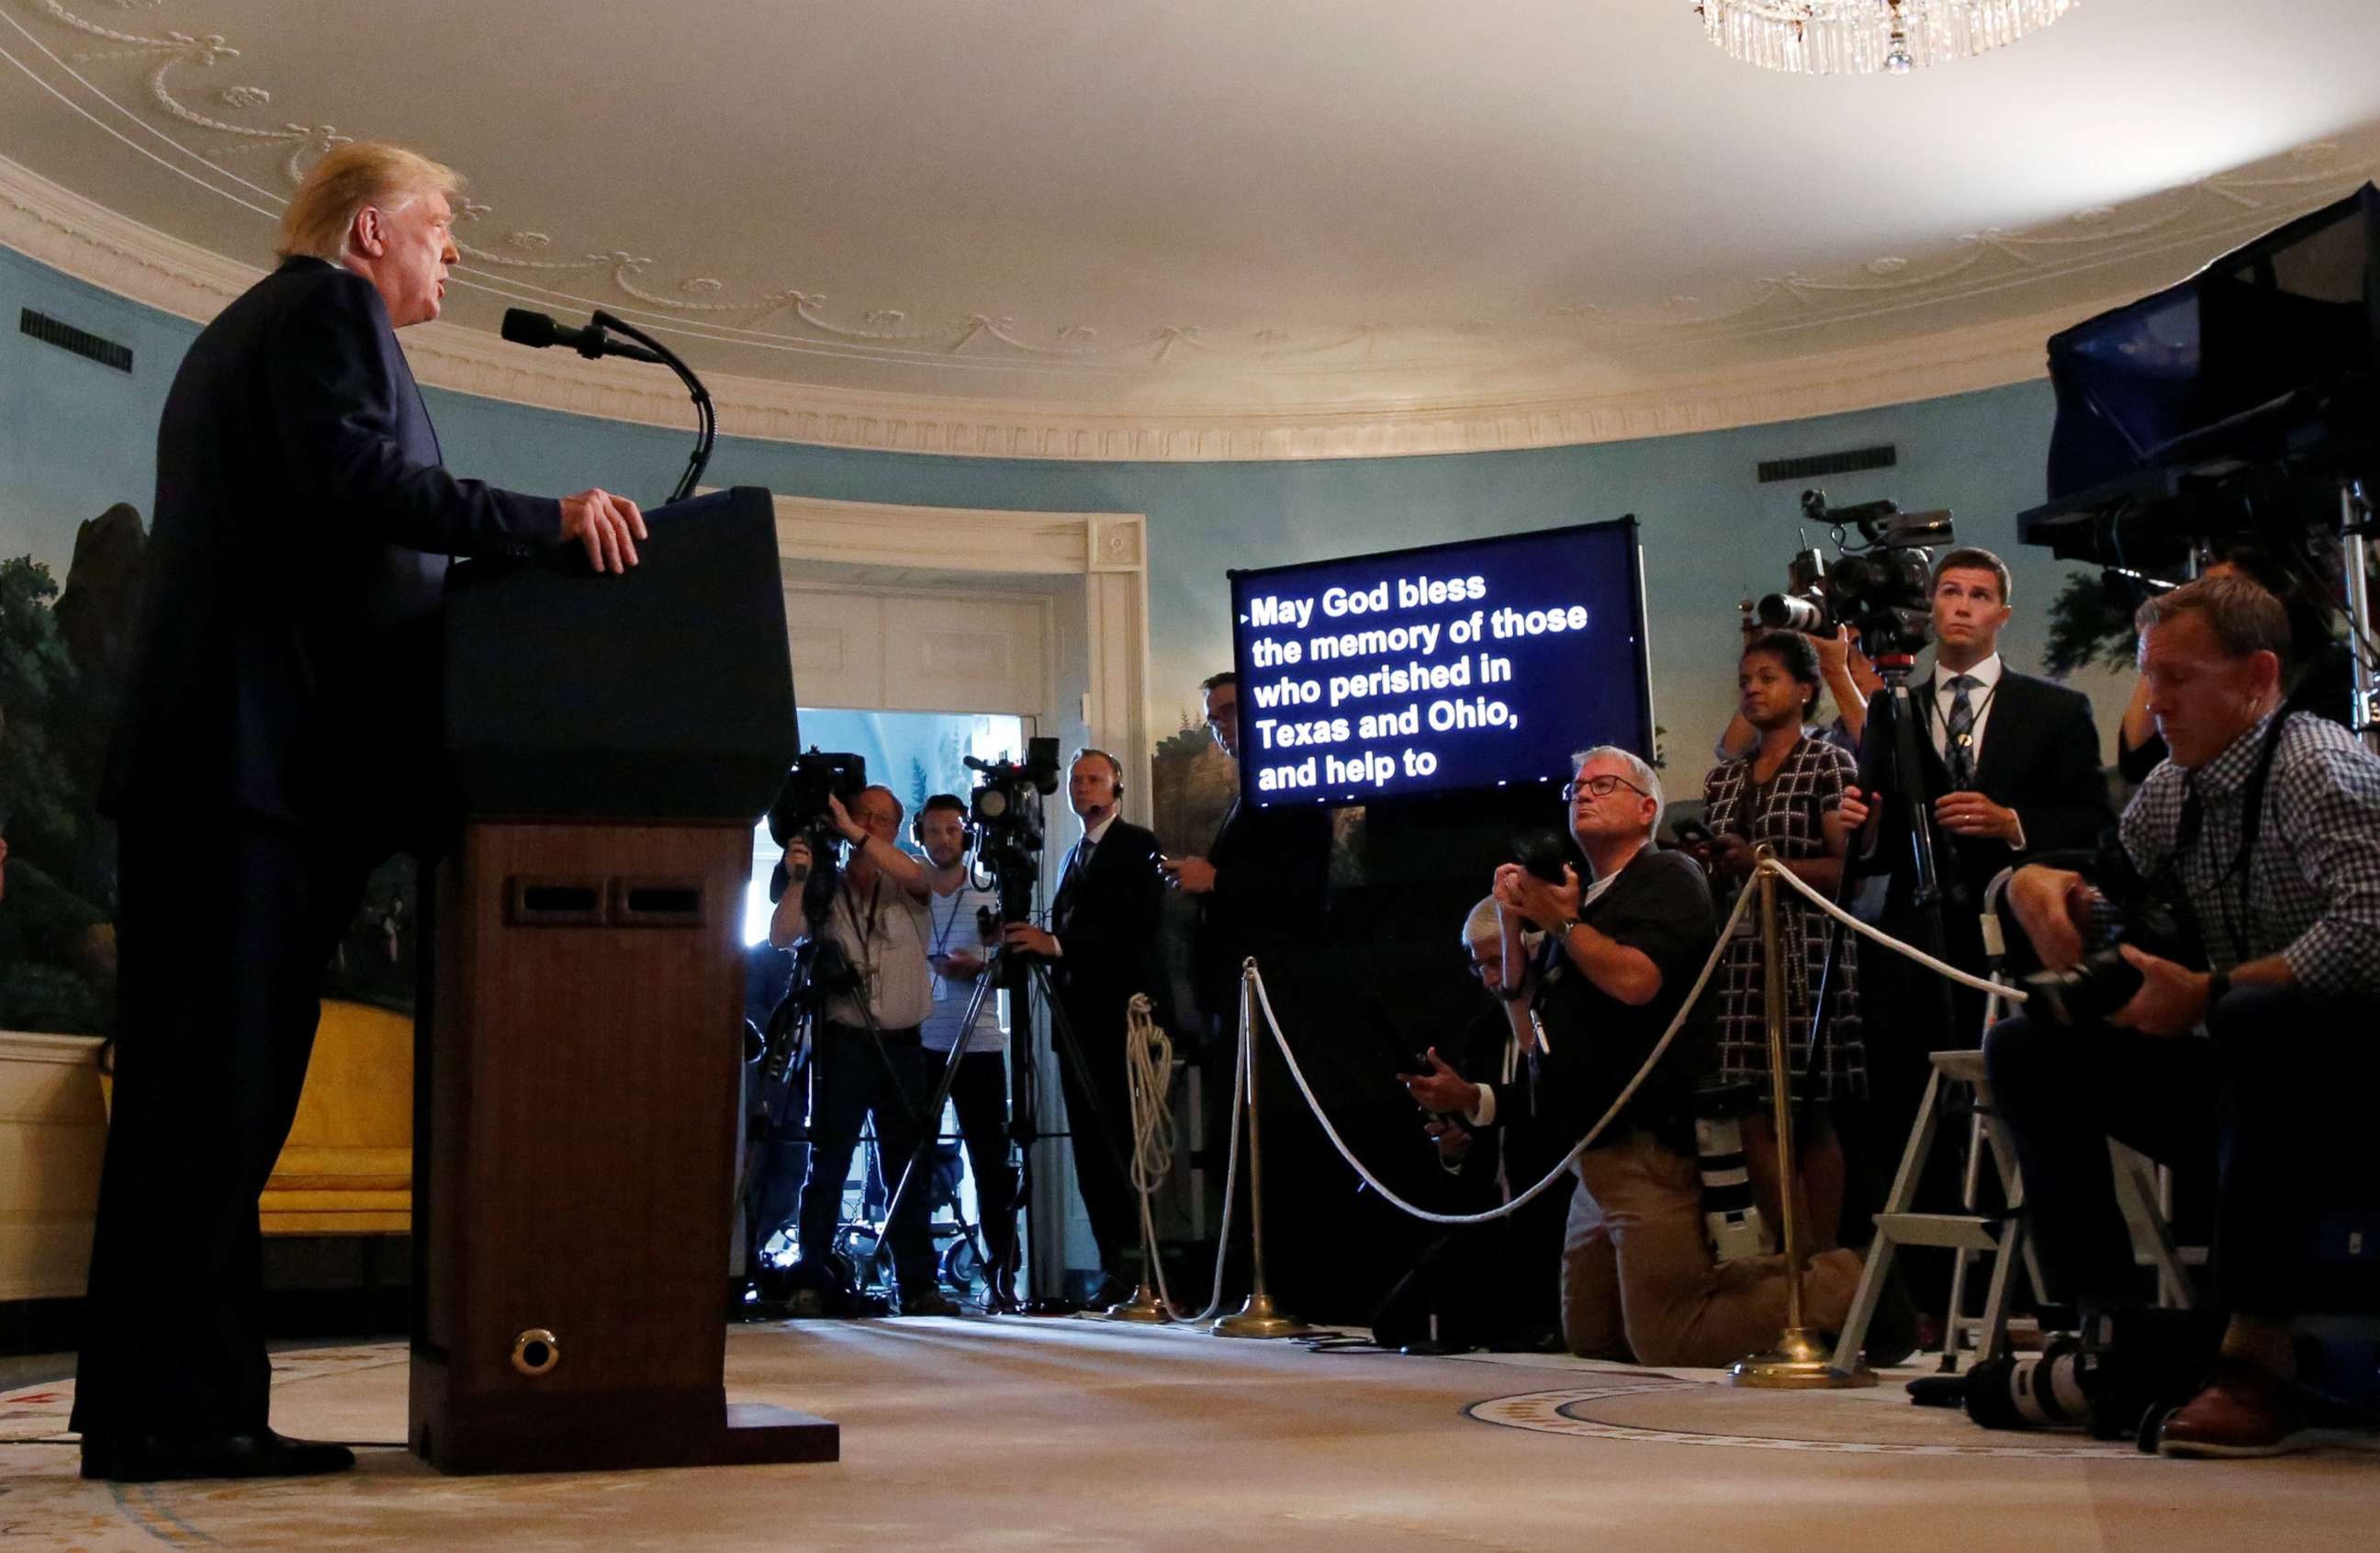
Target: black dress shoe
x,y
160,1457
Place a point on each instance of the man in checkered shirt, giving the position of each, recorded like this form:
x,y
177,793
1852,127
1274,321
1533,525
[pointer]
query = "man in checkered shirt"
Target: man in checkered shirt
x,y
2286,902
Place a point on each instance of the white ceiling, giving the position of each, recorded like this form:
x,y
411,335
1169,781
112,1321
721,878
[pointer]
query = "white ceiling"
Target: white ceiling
x,y
1228,208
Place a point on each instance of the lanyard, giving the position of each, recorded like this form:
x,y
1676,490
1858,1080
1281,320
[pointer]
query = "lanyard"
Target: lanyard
x,y
943,929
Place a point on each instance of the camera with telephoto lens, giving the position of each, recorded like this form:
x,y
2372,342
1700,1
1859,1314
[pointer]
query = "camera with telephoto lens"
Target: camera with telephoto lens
x,y
2150,916
1881,588
1730,1215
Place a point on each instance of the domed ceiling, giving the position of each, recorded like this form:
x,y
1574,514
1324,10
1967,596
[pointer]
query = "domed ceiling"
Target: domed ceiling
x,y
1208,228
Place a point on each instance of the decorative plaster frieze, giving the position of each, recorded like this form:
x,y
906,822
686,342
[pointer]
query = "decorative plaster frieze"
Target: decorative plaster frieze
x,y
82,238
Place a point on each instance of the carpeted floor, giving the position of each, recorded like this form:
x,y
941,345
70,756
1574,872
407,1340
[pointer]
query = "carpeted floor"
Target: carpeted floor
x,y
981,1434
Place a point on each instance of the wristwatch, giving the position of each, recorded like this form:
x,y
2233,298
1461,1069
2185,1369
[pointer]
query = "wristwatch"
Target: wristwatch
x,y
1570,925
2217,983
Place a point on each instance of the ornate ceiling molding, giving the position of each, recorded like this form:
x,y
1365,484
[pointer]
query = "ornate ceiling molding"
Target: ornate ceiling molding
x,y
84,239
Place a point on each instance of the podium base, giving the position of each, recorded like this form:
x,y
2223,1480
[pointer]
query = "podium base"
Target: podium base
x,y
750,1435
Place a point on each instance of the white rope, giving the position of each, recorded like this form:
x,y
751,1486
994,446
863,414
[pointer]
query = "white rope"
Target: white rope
x,y
1742,903
1718,950
1149,1053
1148,1069
1996,989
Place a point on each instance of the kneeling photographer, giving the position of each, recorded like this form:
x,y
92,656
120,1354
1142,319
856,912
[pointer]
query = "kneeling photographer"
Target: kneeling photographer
x,y
2256,853
1489,1285
868,1059
1638,1275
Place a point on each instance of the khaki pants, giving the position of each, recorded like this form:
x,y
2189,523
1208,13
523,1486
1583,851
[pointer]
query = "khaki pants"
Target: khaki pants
x,y
1637,1276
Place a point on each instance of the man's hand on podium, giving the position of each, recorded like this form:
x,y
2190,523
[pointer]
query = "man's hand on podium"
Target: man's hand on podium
x,y
607,525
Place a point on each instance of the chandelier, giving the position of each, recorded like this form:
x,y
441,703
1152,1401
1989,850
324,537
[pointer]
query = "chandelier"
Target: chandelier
x,y
1862,37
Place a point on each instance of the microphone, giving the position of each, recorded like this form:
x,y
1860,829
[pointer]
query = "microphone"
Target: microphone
x,y
523,327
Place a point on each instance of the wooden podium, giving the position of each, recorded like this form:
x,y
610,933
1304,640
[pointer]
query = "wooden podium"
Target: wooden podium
x,y
614,739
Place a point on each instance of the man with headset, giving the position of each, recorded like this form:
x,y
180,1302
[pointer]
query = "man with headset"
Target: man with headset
x,y
1103,928
961,922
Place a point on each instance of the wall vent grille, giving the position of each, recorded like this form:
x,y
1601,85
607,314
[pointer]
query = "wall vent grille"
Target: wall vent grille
x,y
1820,463
82,342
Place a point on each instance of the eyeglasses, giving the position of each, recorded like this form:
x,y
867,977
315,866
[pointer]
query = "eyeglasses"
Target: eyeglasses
x,y
1601,787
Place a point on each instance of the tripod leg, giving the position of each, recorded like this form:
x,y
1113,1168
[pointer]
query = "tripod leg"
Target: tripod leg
x,y
930,1125
1070,1051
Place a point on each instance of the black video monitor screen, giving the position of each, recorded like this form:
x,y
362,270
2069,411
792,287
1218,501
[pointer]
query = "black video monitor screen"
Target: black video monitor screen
x,y
1454,668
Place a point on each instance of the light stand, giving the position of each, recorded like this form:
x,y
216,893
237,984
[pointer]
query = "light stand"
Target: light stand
x,y
2355,545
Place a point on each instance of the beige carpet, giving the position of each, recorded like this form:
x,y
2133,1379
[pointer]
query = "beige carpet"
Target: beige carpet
x,y
978,1434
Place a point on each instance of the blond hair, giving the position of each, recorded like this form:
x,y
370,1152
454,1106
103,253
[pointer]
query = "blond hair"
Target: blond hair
x,y
349,178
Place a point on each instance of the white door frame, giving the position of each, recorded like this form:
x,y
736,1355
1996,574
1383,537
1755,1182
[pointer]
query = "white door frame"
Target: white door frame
x,y
1108,551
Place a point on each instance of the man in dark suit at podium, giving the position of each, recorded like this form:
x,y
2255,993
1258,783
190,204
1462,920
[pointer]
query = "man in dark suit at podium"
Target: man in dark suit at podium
x,y
279,738
1103,926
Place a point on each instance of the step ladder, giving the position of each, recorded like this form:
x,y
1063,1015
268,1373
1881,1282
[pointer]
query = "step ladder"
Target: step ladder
x,y
1969,1234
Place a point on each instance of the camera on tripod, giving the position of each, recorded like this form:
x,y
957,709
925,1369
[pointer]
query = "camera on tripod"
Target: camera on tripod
x,y
1881,588
1005,813
801,810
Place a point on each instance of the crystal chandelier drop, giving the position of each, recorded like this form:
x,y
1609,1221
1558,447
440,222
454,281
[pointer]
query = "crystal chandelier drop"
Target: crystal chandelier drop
x,y
1862,37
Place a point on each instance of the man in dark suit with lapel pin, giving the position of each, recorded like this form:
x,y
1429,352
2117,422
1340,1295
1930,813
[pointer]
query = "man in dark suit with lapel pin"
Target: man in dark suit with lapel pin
x,y
279,738
2009,764
1102,928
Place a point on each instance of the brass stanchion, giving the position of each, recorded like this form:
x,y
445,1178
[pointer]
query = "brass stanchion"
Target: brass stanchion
x,y
1799,1362
1258,1318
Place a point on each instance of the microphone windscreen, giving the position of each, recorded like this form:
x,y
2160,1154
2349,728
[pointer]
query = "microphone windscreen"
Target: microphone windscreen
x,y
523,327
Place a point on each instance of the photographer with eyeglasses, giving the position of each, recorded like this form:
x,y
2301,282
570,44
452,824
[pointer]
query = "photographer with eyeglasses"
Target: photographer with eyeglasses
x,y
1491,1285
1620,955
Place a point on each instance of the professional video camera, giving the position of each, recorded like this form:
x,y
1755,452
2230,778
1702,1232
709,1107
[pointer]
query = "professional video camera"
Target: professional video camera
x,y
820,970
1882,588
1005,810
801,810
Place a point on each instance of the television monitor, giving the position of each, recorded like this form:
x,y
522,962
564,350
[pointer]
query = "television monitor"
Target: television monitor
x,y
1452,668
2298,307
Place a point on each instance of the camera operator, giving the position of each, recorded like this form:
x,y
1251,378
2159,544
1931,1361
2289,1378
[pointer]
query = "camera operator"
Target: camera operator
x,y
2263,829
868,1059
1102,925
1492,1285
960,914
1637,1274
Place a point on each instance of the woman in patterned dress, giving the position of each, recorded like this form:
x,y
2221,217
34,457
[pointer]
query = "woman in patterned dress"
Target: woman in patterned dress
x,y
1786,793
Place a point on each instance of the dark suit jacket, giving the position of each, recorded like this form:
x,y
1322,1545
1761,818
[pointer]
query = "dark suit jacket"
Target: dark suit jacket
x,y
1272,872
286,665
1105,916
2040,757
